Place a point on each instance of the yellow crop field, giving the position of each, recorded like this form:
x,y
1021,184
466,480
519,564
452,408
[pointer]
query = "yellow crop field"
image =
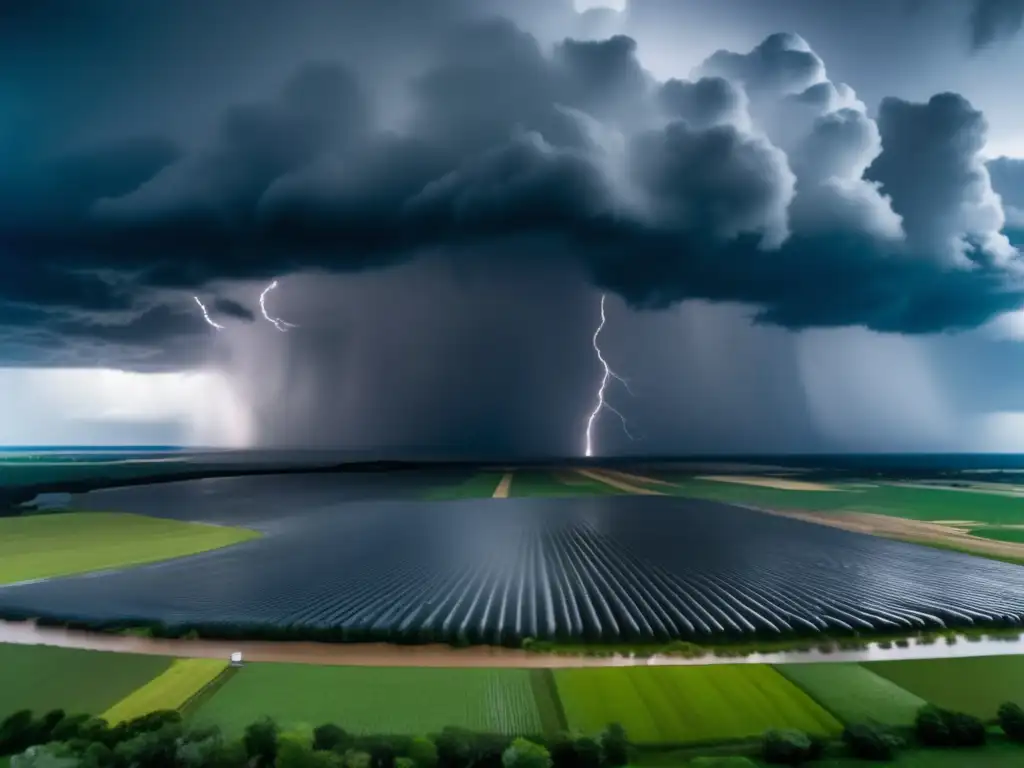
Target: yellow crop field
x,y
170,690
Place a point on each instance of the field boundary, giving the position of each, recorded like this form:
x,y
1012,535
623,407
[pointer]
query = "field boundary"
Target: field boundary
x,y
166,685
195,703
614,483
548,702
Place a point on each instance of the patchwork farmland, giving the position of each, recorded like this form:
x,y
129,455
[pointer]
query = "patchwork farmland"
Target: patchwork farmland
x,y
377,700
599,568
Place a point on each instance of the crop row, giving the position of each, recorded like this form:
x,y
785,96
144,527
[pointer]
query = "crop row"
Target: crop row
x,y
603,569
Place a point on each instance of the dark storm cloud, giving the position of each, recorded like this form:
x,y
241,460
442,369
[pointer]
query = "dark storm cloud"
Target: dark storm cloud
x,y
232,308
995,20
931,167
660,192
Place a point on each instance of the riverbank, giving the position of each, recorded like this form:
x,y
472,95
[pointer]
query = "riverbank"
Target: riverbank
x,y
436,655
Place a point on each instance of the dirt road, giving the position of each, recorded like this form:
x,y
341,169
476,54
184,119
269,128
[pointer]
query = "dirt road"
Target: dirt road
x,y
607,479
501,492
916,531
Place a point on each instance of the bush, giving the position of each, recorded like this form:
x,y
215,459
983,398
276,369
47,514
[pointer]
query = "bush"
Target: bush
x,y
937,727
789,747
96,755
382,756
357,759
614,746
68,728
330,738
423,753
967,730
454,747
16,732
260,741
569,752
871,742
47,756
525,754
150,749
1011,720
722,762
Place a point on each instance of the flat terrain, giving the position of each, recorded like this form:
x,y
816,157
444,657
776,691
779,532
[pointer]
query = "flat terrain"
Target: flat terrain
x,y
375,700
553,483
991,756
779,483
974,685
41,678
605,566
480,485
172,689
853,693
43,546
912,502
670,705
1014,535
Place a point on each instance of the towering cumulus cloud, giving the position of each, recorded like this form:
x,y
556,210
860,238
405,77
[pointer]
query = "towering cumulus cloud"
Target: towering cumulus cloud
x,y
756,180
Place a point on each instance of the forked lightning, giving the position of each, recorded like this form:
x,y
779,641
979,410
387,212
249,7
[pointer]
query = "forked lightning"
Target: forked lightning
x,y
277,322
206,315
603,404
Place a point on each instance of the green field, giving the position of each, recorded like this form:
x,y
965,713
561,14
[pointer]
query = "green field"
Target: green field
x,y
547,483
974,685
1015,535
173,689
1001,755
898,501
853,693
41,678
666,705
42,546
376,700
479,486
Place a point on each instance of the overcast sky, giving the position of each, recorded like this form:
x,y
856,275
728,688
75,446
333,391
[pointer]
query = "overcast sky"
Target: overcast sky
x,y
804,215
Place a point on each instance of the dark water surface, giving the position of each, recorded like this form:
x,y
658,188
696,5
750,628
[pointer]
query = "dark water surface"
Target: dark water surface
x,y
364,553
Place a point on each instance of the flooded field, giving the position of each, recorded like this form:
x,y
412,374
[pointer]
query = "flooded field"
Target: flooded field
x,y
366,557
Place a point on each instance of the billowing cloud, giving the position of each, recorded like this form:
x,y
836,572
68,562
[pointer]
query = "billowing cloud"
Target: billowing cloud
x,y
756,180
994,20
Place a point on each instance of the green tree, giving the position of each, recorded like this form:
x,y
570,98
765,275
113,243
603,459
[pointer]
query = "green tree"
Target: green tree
x,y
1011,720
423,752
614,745
522,753
44,756
260,741
329,738
787,747
152,749
16,732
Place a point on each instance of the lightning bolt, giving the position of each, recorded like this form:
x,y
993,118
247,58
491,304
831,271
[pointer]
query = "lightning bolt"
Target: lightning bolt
x,y
606,378
206,315
277,322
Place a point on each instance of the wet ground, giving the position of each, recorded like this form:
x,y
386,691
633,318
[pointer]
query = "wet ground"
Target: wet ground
x,y
364,552
388,655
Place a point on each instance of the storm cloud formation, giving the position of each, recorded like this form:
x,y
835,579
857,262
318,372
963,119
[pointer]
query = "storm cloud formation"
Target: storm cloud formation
x,y
519,140
752,176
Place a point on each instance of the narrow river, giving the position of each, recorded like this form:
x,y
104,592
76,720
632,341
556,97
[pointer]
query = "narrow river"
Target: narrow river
x,y
386,655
